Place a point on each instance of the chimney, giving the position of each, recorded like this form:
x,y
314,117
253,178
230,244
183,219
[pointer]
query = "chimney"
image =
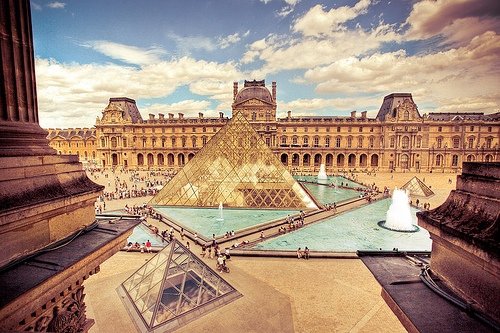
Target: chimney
x,y
200,115
353,114
289,115
274,90
235,90
161,116
151,116
170,116
221,114
363,114
181,115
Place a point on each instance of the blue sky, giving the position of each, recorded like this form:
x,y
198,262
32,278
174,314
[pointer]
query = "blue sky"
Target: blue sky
x,y
328,58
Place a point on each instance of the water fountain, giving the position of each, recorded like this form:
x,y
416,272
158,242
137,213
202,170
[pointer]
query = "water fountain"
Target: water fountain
x,y
322,173
399,216
221,215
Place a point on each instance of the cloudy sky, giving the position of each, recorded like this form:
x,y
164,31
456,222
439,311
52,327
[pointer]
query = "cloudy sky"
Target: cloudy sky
x,y
328,58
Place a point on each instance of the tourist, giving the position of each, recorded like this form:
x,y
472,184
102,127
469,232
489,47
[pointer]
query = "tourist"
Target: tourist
x,y
142,247
227,254
129,246
148,246
306,253
196,238
209,252
299,253
262,234
187,245
203,249
182,233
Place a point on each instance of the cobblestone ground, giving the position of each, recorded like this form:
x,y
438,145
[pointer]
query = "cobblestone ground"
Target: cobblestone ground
x,y
280,295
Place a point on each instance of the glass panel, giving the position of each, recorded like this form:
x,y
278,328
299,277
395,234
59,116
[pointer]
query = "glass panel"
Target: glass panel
x,y
237,168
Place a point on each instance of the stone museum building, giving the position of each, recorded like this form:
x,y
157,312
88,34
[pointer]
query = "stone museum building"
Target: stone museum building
x,y
399,138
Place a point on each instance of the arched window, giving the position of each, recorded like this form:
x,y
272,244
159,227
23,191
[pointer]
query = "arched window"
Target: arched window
x,y
419,142
454,160
406,115
439,160
371,142
349,142
306,141
193,141
456,142
405,142
114,142
439,142
393,142
294,140
327,141
316,141
306,160
283,140
471,142
103,142
338,140
360,142
140,159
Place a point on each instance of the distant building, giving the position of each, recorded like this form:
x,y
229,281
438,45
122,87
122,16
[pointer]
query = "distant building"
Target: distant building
x,y
399,138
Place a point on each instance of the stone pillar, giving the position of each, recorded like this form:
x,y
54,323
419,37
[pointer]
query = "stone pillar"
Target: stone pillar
x,y
20,133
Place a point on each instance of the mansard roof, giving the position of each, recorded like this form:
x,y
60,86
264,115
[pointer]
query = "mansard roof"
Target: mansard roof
x,y
68,133
125,105
391,102
459,116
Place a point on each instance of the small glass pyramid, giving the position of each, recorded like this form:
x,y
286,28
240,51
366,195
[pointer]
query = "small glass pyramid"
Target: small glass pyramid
x,y
173,288
235,168
416,187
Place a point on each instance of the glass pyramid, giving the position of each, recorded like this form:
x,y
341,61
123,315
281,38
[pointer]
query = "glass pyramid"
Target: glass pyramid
x,y
417,187
235,168
173,288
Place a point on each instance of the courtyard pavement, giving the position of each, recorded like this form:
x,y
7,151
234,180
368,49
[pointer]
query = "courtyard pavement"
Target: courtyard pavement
x,y
279,294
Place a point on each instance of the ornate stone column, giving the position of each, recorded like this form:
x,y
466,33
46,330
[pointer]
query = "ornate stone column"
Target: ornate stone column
x,y
20,132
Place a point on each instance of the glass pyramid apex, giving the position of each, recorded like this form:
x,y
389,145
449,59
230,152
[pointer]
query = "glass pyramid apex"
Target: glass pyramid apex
x,y
172,289
237,168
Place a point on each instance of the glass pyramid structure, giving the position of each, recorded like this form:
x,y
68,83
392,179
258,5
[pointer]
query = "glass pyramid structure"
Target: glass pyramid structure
x,y
417,187
235,168
172,289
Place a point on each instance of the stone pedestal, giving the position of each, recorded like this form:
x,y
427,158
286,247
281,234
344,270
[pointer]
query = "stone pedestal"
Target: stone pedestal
x,y
465,231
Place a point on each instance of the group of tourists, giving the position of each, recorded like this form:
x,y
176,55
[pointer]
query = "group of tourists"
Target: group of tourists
x,y
303,254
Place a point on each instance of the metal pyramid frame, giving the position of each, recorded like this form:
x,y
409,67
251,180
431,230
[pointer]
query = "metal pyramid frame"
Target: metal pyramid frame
x,y
172,289
417,187
235,168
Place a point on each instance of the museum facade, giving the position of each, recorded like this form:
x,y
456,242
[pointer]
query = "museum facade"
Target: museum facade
x,y
399,138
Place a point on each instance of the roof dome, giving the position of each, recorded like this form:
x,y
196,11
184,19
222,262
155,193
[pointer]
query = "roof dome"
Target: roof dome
x,y
258,92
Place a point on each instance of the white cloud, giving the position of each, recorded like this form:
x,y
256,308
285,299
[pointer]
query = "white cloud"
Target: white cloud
x,y
56,5
71,95
288,8
458,21
319,22
126,53
190,108
224,42
186,44
468,71
311,52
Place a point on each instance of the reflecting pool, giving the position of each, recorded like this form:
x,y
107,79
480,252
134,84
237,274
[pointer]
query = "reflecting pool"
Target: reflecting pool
x,y
141,234
350,231
207,221
328,194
